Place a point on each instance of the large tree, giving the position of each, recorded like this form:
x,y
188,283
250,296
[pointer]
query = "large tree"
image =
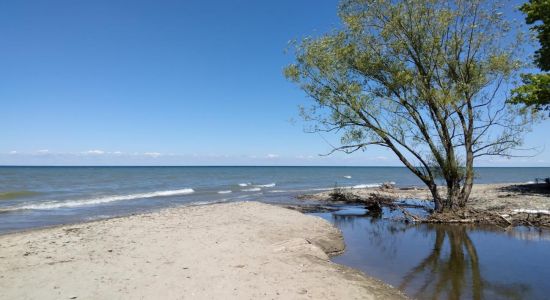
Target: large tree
x,y
427,79
535,91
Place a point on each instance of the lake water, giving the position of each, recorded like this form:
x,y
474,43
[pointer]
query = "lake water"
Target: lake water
x,y
426,261
434,261
40,196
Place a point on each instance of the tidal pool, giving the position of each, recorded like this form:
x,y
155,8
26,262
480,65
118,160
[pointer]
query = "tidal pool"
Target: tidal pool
x,y
433,261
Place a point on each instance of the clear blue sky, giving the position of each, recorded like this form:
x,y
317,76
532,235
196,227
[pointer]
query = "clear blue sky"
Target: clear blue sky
x,y
165,82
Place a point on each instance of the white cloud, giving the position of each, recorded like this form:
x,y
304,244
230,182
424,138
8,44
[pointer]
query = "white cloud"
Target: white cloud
x,y
13,152
152,154
43,151
94,152
272,155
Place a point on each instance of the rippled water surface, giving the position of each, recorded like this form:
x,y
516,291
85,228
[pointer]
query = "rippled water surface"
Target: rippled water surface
x,y
41,196
433,261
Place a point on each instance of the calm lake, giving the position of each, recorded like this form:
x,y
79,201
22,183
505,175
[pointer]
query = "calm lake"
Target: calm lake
x,y
433,261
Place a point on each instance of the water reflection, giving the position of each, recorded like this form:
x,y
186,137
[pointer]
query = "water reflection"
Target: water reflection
x,y
447,261
449,274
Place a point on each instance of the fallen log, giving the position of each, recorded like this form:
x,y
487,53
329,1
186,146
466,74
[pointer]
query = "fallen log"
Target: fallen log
x,y
409,215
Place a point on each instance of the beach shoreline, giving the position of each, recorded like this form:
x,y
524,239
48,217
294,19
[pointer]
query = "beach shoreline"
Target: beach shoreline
x,y
508,203
230,250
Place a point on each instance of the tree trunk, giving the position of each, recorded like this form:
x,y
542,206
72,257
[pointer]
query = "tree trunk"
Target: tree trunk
x,y
454,195
457,194
438,201
469,178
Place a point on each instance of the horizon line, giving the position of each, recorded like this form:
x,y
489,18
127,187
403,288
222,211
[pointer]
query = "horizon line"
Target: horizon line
x,y
230,166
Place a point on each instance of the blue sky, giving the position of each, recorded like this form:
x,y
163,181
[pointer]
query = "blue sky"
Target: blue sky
x,y
165,83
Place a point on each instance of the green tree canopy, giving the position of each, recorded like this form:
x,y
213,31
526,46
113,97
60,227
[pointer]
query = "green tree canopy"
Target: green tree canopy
x,y
538,14
423,78
535,91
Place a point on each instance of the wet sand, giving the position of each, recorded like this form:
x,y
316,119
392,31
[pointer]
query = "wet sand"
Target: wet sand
x,y
244,250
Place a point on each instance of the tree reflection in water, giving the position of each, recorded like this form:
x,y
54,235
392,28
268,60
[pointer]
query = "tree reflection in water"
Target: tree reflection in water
x,y
450,271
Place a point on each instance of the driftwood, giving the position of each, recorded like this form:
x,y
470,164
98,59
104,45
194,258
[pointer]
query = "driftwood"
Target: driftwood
x,y
513,218
409,216
375,201
504,219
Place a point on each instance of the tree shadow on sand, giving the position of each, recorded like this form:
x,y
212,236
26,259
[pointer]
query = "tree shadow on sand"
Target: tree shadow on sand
x,y
541,189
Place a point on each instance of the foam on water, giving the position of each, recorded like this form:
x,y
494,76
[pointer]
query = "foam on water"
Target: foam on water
x,y
266,185
347,176
257,189
302,190
101,200
367,185
370,185
224,192
199,203
244,184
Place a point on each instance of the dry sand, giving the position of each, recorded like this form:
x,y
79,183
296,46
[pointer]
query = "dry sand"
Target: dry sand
x,y
245,250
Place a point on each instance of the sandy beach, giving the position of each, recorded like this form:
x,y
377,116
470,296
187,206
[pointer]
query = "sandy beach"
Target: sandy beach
x,y
244,250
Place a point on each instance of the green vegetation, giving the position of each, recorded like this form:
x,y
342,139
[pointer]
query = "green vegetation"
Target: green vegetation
x,y
535,91
423,78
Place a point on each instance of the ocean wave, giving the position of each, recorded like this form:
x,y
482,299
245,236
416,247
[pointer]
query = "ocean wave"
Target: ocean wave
x,y
244,184
199,203
302,190
224,192
366,186
371,185
101,200
256,189
266,185
347,176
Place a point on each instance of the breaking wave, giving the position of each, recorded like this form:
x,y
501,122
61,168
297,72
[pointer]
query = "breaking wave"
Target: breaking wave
x,y
224,192
302,190
257,189
266,185
100,200
371,185
366,186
